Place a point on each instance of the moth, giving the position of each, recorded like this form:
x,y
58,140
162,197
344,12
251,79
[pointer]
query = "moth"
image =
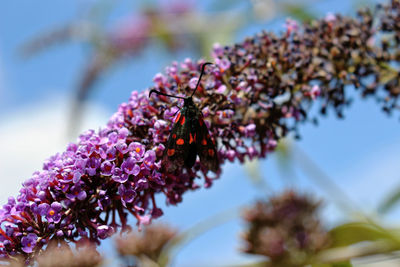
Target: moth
x,y
189,137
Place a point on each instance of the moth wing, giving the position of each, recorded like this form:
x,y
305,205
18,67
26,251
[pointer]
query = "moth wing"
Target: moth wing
x,y
177,147
206,146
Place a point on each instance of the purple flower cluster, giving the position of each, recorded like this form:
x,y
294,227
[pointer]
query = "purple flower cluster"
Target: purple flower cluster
x,y
257,92
284,227
79,192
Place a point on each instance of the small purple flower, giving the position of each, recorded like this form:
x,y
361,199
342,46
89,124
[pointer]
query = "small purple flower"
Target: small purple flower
x,y
110,153
76,192
266,106
29,242
156,177
72,147
149,158
248,130
53,213
160,79
242,86
231,154
252,152
133,103
119,175
221,89
206,112
9,206
127,194
107,168
218,51
123,133
223,64
188,64
129,166
330,17
193,82
122,147
86,150
143,220
159,125
92,166
169,114
156,213
112,138
315,91
141,184
104,199
76,176
43,208
159,150
11,201
80,163
104,231
271,145
60,233
172,70
291,26
63,186
224,115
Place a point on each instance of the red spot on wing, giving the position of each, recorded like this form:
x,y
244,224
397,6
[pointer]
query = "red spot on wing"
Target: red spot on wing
x,y
174,136
130,113
204,142
183,120
170,152
211,152
201,122
180,141
191,138
178,117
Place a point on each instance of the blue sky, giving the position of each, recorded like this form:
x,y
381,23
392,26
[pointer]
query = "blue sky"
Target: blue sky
x,y
359,152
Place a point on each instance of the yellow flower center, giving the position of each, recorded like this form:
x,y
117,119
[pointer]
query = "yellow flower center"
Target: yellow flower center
x,y
137,149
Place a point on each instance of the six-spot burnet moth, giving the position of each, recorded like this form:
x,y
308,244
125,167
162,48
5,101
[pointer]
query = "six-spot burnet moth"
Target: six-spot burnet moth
x,y
189,137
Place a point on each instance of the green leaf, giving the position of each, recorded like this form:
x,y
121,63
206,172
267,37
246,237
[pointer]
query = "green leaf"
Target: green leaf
x,y
342,264
389,202
299,12
337,264
352,233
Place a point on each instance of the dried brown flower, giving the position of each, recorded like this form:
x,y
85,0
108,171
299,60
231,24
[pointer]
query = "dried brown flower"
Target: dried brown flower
x,y
64,256
147,244
12,262
285,229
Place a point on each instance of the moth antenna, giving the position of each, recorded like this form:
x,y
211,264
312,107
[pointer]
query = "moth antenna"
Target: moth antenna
x,y
160,93
201,74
